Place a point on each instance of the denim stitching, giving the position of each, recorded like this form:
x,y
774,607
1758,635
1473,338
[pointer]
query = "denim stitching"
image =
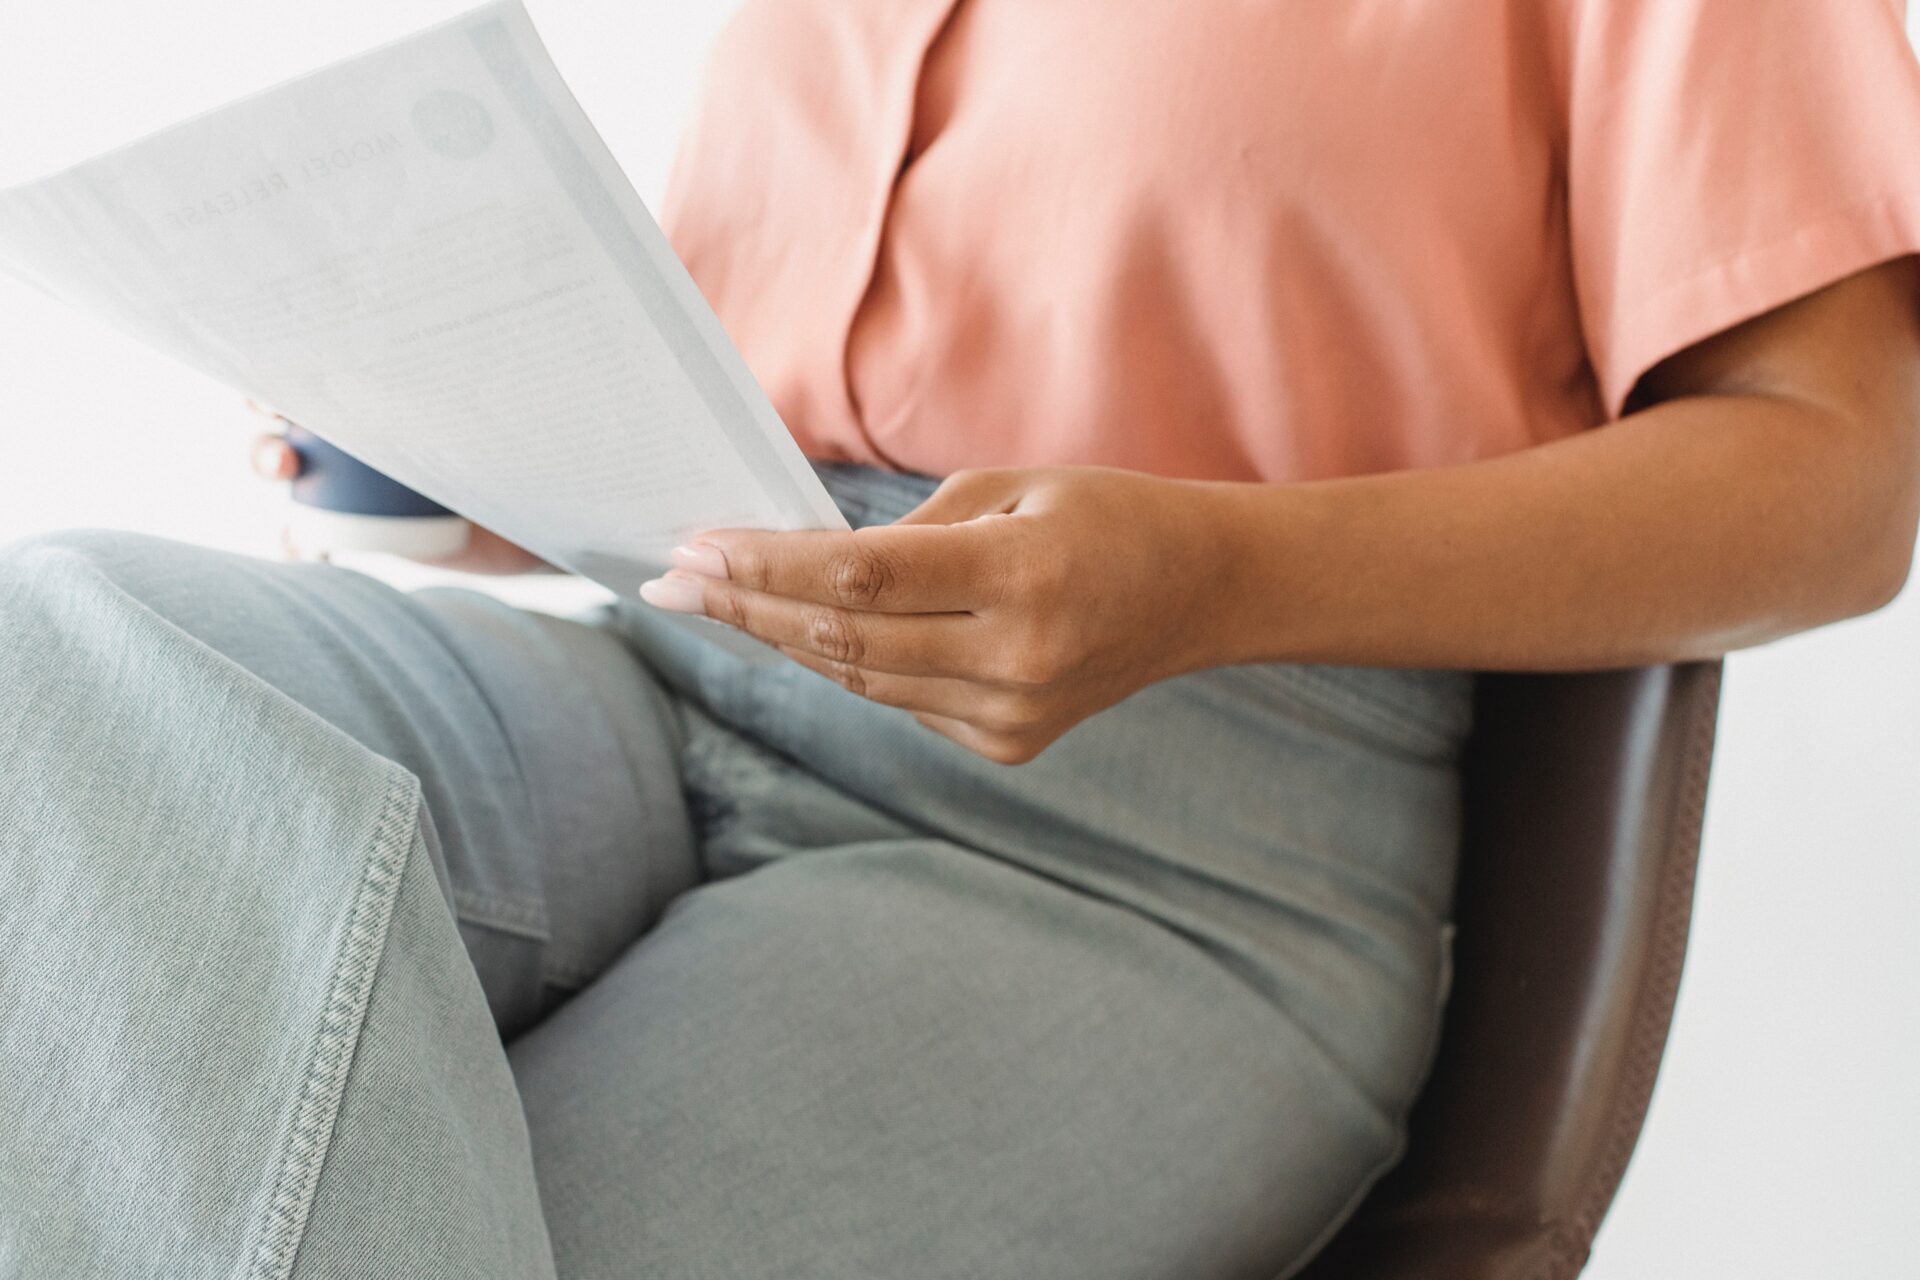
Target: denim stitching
x,y
341,1019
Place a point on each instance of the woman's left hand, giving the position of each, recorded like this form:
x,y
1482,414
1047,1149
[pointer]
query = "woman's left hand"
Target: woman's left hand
x,y
1007,608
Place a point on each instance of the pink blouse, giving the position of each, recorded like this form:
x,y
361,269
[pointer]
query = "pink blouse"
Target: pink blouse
x,y
1272,241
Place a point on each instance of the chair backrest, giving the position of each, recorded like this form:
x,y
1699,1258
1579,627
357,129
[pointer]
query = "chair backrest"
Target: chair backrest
x,y
1584,799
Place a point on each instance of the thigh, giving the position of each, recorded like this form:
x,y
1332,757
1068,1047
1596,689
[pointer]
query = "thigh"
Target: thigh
x,y
548,756
238,1030
900,1057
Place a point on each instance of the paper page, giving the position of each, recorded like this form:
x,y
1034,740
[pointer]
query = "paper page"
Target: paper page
x,y
427,256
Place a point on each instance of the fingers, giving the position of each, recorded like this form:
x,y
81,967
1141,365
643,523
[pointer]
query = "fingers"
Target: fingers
x,y
998,747
906,644
274,459
892,569
968,495
937,695
292,550
1001,724
893,614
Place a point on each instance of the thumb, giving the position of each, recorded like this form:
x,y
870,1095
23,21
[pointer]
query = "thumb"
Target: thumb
x,y
968,495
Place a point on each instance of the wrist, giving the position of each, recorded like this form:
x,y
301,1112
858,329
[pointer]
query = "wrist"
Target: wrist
x,y
1236,543
1266,558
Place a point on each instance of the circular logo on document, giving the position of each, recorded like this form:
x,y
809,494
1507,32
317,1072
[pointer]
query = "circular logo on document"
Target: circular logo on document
x,y
453,124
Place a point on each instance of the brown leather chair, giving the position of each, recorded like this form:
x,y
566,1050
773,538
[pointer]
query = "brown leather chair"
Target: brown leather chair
x,y
1584,800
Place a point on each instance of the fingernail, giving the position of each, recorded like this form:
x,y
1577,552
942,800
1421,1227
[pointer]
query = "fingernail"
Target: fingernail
x,y
275,459
702,559
675,595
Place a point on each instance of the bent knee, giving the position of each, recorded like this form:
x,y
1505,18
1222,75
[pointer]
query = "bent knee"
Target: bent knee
x,y
194,587
51,562
72,599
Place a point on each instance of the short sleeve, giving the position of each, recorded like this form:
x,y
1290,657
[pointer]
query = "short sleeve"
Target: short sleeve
x,y
1725,157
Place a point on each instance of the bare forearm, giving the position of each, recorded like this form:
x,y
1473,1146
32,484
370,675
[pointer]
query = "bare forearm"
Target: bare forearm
x,y
1773,488
1700,526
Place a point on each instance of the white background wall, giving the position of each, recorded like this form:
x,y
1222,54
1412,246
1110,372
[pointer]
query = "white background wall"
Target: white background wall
x,y
1785,1137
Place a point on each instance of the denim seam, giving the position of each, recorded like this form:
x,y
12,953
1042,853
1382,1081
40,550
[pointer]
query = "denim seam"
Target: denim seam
x,y
342,1017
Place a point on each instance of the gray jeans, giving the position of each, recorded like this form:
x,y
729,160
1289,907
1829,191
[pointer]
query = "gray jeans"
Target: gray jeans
x,y
350,933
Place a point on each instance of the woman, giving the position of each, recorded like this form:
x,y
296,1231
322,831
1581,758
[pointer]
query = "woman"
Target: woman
x,y
1285,362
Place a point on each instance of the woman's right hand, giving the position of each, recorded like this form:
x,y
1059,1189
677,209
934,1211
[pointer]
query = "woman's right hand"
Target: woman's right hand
x,y
486,551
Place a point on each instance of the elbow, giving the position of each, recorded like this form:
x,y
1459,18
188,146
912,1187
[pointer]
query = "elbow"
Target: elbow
x,y
1871,557
1880,559
1884,575
1860,571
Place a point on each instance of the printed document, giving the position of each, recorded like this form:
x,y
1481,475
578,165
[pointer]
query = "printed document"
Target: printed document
x,y
427,256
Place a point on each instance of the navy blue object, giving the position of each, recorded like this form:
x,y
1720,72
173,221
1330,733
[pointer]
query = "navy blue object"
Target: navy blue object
x,y
335,480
